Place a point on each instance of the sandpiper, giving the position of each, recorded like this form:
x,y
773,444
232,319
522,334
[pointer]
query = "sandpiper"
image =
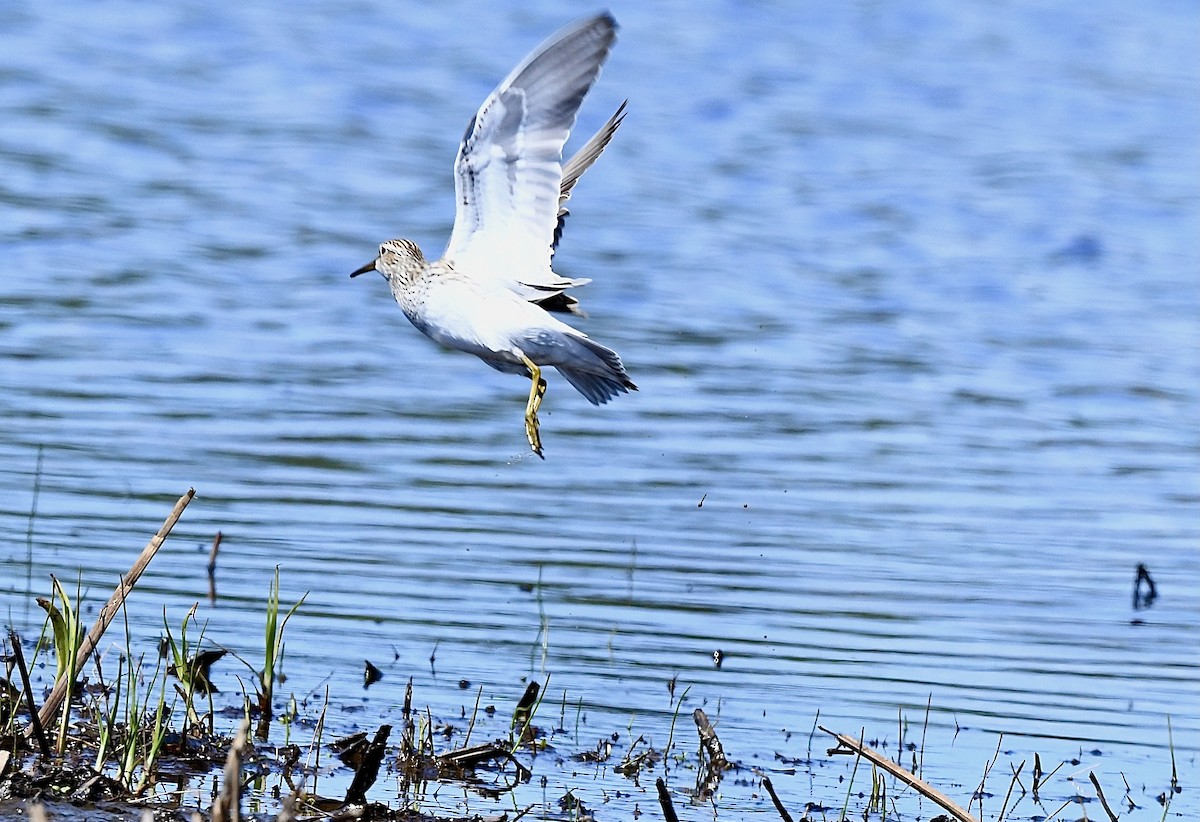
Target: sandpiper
x,y
491,292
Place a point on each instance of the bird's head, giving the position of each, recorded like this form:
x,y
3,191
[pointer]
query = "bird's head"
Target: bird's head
x,y
395,257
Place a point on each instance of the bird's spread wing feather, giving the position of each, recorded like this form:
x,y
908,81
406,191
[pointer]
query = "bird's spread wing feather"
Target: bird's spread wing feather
x,y
573,169
508,177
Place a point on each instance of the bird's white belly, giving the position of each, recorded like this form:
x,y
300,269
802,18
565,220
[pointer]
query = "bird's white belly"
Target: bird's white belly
x,y
488,323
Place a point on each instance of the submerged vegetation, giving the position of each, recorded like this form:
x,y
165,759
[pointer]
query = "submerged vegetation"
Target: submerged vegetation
x,y
145,739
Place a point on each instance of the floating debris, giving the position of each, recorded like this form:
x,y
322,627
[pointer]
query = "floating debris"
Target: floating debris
x,y
371,674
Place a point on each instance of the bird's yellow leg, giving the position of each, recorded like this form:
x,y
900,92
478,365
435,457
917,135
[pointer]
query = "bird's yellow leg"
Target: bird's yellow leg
x,y
537,390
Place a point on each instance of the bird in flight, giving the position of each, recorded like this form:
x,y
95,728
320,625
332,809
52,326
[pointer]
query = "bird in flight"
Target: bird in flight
x,y
493,289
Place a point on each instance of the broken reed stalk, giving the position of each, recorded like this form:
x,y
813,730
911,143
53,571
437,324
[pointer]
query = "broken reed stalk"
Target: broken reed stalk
x,y
474,713
920,769
212,568
708,738
664,800
368,768
110,609
1016,780
717,763
465,759
1171,745
1100,793
783,814
852,745
212,554
228,807
987,770
35,722
408,739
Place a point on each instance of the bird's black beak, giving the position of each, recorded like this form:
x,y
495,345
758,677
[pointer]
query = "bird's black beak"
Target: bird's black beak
x,y
368,267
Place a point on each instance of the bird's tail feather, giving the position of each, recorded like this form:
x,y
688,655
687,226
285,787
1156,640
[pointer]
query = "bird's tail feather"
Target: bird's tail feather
x,y
596,388
603,381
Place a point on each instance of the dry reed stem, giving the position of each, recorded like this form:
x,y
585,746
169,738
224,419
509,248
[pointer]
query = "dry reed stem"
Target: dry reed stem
x,y
368,768
987,770
228,807
467,758
212,554
717,763
664,800
783,814
1100,793
708,738
110,609
1016,780
35,723
212,568
852,745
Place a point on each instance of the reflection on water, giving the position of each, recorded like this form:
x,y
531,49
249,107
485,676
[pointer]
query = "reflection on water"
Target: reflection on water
x,y
910,296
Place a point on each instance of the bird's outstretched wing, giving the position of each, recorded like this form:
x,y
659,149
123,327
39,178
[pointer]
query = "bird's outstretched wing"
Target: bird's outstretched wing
x,y
508,176
573,169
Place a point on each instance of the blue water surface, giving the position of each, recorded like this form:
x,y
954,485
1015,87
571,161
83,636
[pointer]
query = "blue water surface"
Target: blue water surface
x,y
911,293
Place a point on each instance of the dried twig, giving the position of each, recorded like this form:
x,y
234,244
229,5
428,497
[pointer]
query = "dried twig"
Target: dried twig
x,y
109,611
228,807
664,799
1016,780
715,767
987,770
368,769
467,758
212,554
783,814
212,568
850,745
408,741
1100,793
708,738
35,722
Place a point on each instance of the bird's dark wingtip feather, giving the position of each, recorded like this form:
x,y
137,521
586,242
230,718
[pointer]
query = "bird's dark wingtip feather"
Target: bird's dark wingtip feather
x,y
470,127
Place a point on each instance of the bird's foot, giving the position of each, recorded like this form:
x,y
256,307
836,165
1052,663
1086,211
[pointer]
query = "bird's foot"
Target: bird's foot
x,y
531,433
537,390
